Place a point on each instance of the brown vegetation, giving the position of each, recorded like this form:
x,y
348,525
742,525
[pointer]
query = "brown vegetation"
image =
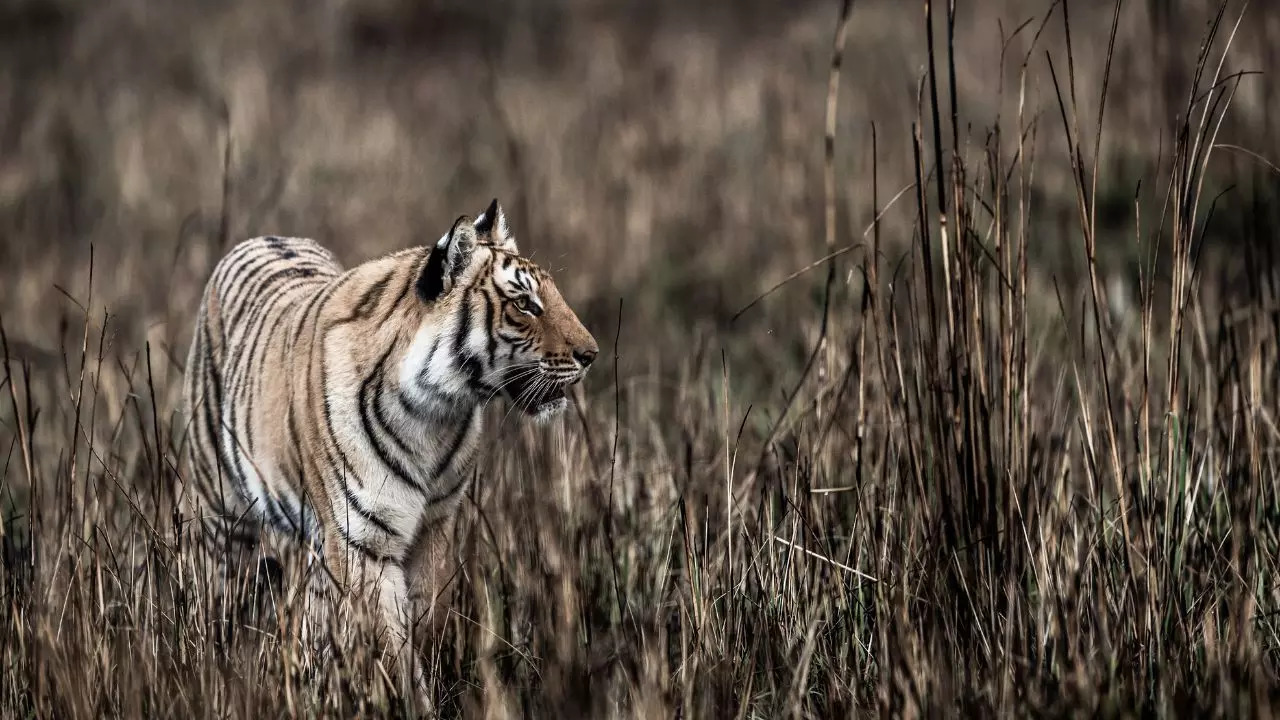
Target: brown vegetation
x,y
1013,451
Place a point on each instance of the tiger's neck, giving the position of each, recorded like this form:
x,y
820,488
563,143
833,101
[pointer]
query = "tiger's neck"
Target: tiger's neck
x,y
399,430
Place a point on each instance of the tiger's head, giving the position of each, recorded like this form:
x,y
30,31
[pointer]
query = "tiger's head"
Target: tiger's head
x,y
496,322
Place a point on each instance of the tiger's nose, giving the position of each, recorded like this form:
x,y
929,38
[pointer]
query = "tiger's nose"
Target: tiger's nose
x,y
585,356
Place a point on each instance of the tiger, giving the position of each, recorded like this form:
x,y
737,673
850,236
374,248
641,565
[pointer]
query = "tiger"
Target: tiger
x,y
344,408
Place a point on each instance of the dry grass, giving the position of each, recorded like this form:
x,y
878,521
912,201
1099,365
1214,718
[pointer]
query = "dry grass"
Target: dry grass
x,y
1014,453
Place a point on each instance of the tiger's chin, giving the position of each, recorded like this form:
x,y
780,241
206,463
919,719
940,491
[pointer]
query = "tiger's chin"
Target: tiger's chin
x,y
550,410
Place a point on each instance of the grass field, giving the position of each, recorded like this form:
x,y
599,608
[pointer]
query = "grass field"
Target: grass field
x,y
974,415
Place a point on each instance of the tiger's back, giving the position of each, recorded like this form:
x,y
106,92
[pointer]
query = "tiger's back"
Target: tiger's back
x,y
244,347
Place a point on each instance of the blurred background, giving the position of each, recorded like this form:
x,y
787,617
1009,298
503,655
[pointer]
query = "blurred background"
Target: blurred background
x,y
664,159
661,151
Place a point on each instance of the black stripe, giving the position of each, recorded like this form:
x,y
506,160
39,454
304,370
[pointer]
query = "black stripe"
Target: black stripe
x,y
442,465
523,280
318,303
423,379
404,292
425,412
233,261
398,471
291,432
466,362
243,283
354,503
259,369
410,408
306,310
303,246
294,523
226,276
449,495
332,436
255,359
464,329
271,287
295,443
475,374
341,477
339,471
490,317
240,382
201,474
379,414
364,549
238,289
242,349
273,513
368,300
215,427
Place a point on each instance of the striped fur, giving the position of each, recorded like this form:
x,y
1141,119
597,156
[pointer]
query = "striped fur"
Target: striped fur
x,y
344,408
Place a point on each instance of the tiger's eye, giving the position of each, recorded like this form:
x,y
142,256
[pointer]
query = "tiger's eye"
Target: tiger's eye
x,y
526,305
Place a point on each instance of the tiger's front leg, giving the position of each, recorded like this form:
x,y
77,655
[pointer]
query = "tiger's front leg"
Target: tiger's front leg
x,y
432,569
381,585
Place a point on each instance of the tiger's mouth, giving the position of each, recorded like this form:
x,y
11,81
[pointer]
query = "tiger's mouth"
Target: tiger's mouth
x,y
537,395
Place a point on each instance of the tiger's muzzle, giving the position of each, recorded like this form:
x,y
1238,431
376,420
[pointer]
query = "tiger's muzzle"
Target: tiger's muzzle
x,y
543,392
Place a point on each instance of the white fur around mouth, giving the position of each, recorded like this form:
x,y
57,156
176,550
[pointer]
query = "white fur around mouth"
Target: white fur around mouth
x,y
548,410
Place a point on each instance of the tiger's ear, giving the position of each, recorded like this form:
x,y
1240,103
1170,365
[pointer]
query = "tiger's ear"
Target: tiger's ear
x,y
448,259
493,222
